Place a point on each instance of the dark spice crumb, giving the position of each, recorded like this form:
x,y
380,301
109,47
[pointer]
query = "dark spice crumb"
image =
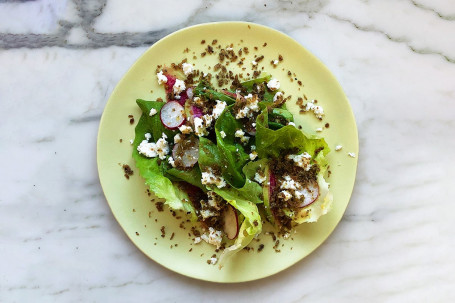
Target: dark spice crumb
x,y
163,232
327,125
203,41
214,41
137,234
128,171
131,119
191,249
261,247
265,44
172,236
121,140
280,58
300,126
159,206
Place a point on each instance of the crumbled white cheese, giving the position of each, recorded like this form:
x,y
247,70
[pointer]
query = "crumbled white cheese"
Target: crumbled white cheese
x,y
229,48
223,134
177,138
252,105
289,183
131,141
253,124
197,240
152,112
319,129
253,147
198,101
241,134
161,78
213,199
286,235
199,127
302,160
163,135
278,97
275,62
171,161
151,150
259,178
338,147
208,119
185,129
316,109
187,68
209,178
214,237
218,108
352,155
148,136
179,86
273,84
285,195
253,155
291,123
213,261
207,213
254,63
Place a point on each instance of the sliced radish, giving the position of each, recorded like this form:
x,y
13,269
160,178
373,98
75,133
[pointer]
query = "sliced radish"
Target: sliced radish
x,y
189,92
197,112
186,152
231,222
310,193
172,115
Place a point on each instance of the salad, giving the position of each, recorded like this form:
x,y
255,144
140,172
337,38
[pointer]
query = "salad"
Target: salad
x,y
232,159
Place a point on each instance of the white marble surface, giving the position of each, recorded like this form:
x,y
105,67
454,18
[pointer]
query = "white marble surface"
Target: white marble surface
x,y
60,60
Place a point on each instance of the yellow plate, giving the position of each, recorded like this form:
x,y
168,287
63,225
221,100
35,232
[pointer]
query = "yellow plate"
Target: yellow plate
x,y
131,205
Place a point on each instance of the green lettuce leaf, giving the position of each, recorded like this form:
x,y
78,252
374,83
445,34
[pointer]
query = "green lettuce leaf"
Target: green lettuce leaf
x,y
270,143
152,172
192,176
251,225
204,89
232,154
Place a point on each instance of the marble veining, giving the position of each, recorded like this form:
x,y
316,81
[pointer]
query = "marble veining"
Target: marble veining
x,y
60,60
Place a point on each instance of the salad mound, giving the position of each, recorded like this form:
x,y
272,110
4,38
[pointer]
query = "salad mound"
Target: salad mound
x,y
231,159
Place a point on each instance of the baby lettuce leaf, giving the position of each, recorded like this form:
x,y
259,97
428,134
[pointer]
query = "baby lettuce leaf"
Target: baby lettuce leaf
x,y
154,122
263,78
192,176
270,143
209,155
152,172
232,154
251,226
204,89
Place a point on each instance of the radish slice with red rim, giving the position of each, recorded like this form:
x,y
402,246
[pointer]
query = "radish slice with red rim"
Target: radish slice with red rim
x,y
172,115
310,193
186,152
231,222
